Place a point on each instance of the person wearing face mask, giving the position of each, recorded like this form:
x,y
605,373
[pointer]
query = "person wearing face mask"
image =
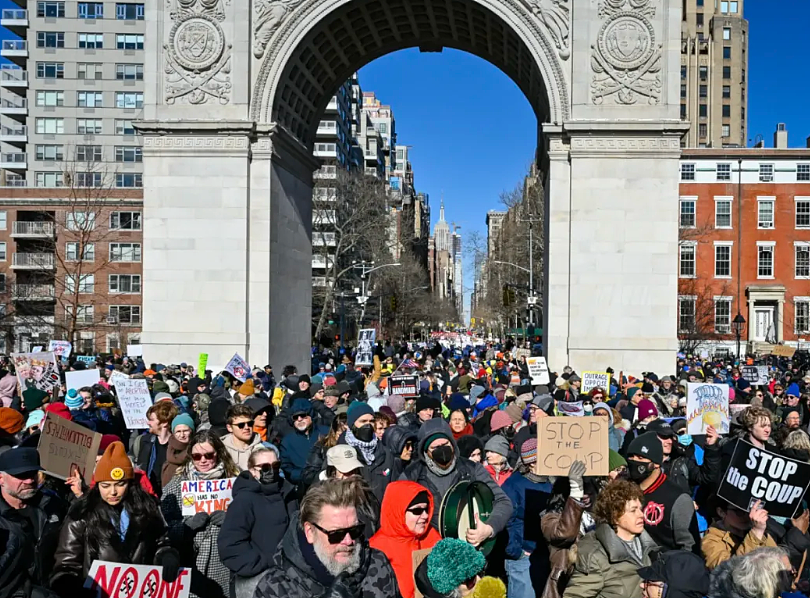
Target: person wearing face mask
x,y
669,513
375,457
263,505
680,464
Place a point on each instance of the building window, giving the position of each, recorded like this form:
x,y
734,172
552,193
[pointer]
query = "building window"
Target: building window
x,y
125,41
125,221
686,313
84,314
726,33
50,70
89,179
72,252
704,91
91,10
129,72
3,220
802,259
90,99
803,172
2,252
125,252
128,180
128,154
124,127
724,172
80,221
49,179
766,173
125,314
722,315
687,172
129,12
50,152
687,259
50,126
733,6
722,212
726,111
683,71
88,126
50,39
765,213
764,261
703,130
87,283
51,9
703,110
89,70
726,131
50,98
704,73
125,283
726,72
803,212
129,100
722,261
802,311
683,91
89,153
726,92
687,219
683,111
727,52
91,41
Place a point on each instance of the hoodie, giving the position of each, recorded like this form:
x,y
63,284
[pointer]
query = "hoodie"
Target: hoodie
x,y
398,542
394,439
240,456
615,435
217,411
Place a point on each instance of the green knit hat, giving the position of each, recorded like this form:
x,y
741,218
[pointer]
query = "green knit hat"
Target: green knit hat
x,y
451,563
615,460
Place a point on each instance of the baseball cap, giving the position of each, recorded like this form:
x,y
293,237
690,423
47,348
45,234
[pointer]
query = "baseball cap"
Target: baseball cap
x,y
343,458
20,460
647,445
661,427
684,573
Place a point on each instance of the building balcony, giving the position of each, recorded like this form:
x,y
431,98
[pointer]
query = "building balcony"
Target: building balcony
x,y
17,135
16,50
327,128
13,78
16,109
325,153
14,161
333,104
33,292
32,261
32,230
15,20
325,172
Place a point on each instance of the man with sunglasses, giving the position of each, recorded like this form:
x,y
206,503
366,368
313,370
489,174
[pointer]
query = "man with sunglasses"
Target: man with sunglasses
x,y
296,444
325,553
241,439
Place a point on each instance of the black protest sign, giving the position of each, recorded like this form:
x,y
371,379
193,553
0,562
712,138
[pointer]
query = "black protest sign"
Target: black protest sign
x,y
756,474
406,386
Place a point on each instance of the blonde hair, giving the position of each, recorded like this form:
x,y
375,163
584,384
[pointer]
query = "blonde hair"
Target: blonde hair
x,y
797,439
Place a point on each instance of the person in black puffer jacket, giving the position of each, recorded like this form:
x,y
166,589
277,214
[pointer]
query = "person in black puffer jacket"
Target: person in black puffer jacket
x,y
263,505
394,439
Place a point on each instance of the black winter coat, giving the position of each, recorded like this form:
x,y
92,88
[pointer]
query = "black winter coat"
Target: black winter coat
x,y
255,523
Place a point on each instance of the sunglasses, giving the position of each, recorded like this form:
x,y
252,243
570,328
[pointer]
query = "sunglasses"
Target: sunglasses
x,y
241,425
336,536
265,467
201,456
298,416
418,511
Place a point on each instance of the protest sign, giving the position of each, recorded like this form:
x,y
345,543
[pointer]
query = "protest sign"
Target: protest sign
x,y
417,556
88,359
135,400
119,580
591,380
63,445
36,370
238,368
60,348
522,353
202,362
756,474
365,347
206,495
81,378
37,349
563,440
135,350
406,386
538,370
116,376
571,408
757,375
707,405
783,351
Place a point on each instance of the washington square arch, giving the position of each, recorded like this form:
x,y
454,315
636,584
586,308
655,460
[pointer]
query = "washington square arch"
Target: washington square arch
x,y
234,94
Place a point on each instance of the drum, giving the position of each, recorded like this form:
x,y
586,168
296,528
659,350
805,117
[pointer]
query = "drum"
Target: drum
x,y
459,507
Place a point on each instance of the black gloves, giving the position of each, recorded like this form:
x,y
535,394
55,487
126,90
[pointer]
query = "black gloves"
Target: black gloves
x,y
197,522
170,561
216,518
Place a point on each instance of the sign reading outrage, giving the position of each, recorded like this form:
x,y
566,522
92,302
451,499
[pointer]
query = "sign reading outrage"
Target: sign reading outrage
x,y
563,440
591,380
755,474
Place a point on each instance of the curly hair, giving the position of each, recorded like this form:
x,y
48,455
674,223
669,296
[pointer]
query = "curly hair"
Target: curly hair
x,y
612,502
754,414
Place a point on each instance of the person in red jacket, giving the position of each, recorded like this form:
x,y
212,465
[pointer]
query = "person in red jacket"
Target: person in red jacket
x,y
405,527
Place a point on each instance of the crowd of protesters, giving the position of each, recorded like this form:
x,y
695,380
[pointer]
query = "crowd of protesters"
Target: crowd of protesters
x,y
340,486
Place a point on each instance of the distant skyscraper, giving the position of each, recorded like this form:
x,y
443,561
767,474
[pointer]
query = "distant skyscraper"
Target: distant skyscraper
x,y
442,231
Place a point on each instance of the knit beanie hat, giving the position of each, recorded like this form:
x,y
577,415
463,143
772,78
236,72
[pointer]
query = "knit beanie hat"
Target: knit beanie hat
x,y
106,440
458,402
498,445
34,418
475,392
183,419
646,408
500,419
247,389
59,409
793,390
615,460
451,563
114,465
356,410
528,451
11,420
160,386
331,391
427,402
33,398
514,413
73,400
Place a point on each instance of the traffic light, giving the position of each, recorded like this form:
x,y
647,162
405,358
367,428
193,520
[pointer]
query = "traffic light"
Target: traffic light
x,y
393,303
508,296
472,321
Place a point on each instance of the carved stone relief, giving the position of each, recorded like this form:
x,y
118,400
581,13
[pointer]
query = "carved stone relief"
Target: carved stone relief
x,y
198,59
269,15
555,16
626,59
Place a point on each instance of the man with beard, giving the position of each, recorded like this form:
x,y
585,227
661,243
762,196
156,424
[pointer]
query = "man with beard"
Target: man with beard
x,y
324,552
296,444
29,524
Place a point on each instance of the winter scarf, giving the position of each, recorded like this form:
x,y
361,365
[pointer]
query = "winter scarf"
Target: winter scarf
x,y
465,432
366,448
176,453
191,473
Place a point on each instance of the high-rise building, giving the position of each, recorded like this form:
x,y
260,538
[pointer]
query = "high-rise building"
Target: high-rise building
x,y
494,222
442,231
69,94
382,117
714,65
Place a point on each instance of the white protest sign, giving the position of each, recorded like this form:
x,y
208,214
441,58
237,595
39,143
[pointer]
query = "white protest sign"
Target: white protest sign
x,y
81,378
135,400
365,347
206,495
538,370
60,348
757,375
591,380
119,580
707,405
135,350
238,368
116,376
36,370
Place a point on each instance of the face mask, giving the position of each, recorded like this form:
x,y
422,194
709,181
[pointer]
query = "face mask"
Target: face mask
x,y
442,456
638,471
268,477
364,433
685,439
588,409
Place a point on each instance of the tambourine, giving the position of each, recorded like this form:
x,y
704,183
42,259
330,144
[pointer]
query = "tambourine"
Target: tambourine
x,y
459,507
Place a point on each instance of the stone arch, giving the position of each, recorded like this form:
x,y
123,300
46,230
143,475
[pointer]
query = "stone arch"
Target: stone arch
x,y
313,47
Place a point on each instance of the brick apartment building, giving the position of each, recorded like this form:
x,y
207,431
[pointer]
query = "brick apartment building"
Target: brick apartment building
x,y
70,267
745,245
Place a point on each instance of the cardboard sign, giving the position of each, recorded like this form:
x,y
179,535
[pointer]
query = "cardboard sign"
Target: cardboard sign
x,y
591,380
206,495
81,378
116,376
36,370
365,347
135,400
60,348
783,351
238,368
135,350
563,440
64,444
88,359
707,405
202,362
406,386
119,580
756,474
757,375
538,370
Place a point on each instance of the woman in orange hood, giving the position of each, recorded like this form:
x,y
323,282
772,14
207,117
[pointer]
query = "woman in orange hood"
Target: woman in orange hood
x,y
405,527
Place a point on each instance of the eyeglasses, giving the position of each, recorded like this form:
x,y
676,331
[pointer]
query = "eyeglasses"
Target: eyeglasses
x,y
298,416
241,425
418,511
336,536
265,467
201,456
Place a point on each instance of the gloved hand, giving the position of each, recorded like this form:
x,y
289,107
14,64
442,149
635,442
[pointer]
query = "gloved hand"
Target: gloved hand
x,y
575,475
170,561
197,522
216,518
